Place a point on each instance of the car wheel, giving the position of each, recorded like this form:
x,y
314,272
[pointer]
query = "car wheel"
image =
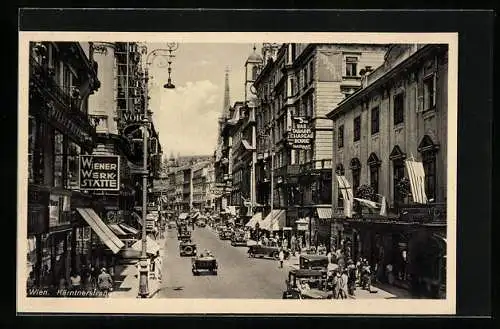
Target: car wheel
x,y
276,255
284,295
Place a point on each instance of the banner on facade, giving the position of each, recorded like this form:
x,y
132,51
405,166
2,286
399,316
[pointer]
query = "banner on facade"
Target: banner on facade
x,y
301,134
99,172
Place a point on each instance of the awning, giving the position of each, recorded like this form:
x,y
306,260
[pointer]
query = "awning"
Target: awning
x,y
137,217
151,246
256,218
117,229
247,145
273,221
183,215
324,213
101,229
129,229
416,174
278,221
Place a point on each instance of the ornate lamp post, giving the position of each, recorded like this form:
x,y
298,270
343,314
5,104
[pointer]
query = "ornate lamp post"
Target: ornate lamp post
x,y
144,262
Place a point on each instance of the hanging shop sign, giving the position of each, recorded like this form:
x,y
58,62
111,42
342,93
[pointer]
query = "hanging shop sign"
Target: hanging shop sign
x,y
99,172
62,120
301,134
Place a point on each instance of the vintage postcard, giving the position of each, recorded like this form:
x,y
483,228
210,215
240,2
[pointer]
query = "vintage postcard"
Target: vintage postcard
x,y
251,173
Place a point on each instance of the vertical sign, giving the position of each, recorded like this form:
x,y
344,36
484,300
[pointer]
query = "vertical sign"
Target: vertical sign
x,y
54,205
99,172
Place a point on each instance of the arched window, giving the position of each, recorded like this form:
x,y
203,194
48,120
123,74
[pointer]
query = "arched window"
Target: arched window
x,y
374,165
428,149
355,166
397,156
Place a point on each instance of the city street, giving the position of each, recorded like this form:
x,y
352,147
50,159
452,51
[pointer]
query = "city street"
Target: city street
x,y
238,275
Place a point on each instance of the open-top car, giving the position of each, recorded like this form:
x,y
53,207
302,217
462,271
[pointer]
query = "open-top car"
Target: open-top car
x,y
306,284
238,239
313,262
201,223
266,251
225,234
184,235
204,262
187,248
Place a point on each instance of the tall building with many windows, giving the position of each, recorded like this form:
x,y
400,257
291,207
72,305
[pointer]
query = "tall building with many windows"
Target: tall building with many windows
x,y
399,114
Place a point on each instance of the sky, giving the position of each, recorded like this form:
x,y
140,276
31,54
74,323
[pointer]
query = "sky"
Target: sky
x,y
186,117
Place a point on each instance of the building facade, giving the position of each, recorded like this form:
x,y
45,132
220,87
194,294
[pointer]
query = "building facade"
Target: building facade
x,y
295,91
62,77
200,186
399,114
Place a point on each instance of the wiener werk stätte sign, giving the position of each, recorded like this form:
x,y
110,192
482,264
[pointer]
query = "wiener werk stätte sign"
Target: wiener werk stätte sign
x,y
99,172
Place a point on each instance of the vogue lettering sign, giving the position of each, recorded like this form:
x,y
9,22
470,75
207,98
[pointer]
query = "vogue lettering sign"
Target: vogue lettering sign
x,y
301,134
99,172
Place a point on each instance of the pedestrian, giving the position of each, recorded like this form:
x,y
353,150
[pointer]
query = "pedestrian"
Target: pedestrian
x,y
285,243
95,275
351,273
336,284
62,283
329,256
105,282
293,241
281,257
75,281
86,277
343,284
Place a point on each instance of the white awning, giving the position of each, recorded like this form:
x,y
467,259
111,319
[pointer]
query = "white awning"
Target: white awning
x,y
270,223
324,213
151,246
129,229
183,215
101,229
416,174
254,220
117,229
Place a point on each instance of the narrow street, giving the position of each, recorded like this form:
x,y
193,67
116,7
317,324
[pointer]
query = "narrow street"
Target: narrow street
x,y
238,276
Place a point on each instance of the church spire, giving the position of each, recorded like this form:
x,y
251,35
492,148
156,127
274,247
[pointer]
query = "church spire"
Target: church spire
x,y
227,100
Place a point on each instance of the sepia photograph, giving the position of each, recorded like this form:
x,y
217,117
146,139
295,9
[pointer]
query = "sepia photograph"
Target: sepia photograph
x,y
196,170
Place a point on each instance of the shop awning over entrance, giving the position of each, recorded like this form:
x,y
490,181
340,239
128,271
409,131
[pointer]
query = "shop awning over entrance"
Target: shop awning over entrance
x,y
275,221
256,218
324,213
151,246
129,229
101,229
117,229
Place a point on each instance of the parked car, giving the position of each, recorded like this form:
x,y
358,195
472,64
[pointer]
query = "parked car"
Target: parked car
x,y
204,262
187,248
238,239
201,223
313,262
263,251
225,235
306,284
183,235
172,224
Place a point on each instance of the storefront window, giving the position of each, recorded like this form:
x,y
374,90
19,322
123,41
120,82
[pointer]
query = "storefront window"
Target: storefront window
x,y
58,159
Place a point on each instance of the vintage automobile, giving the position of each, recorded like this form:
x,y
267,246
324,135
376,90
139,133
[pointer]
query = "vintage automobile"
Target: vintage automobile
x,y
201,223
238,239
172,224
184,235
225,234
306,284
313,262
187,248
266,251
204,262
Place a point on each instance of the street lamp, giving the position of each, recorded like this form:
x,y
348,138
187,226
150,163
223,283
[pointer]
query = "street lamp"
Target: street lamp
x,y
143,263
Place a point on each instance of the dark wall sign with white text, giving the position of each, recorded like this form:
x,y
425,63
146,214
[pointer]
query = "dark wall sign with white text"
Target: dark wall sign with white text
x,y
99,172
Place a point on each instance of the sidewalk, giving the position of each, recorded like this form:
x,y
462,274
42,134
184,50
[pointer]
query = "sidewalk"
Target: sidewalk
x,y
126,281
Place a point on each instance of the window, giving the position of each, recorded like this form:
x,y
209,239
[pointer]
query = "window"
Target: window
x,y
311,71
58,159
398,174
357,128
351,66
72,167
375,118
429,163
398,109
429,92
255,72
341,136
355,166
374,177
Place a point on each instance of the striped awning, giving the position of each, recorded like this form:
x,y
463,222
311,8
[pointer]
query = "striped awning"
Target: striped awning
x,y
101,229
256,218
416,174
324,213
274,221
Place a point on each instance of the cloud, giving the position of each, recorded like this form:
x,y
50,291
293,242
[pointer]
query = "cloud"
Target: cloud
x,y
186,117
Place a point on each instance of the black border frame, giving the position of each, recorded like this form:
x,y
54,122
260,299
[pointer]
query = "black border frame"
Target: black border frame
x,y
475,93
